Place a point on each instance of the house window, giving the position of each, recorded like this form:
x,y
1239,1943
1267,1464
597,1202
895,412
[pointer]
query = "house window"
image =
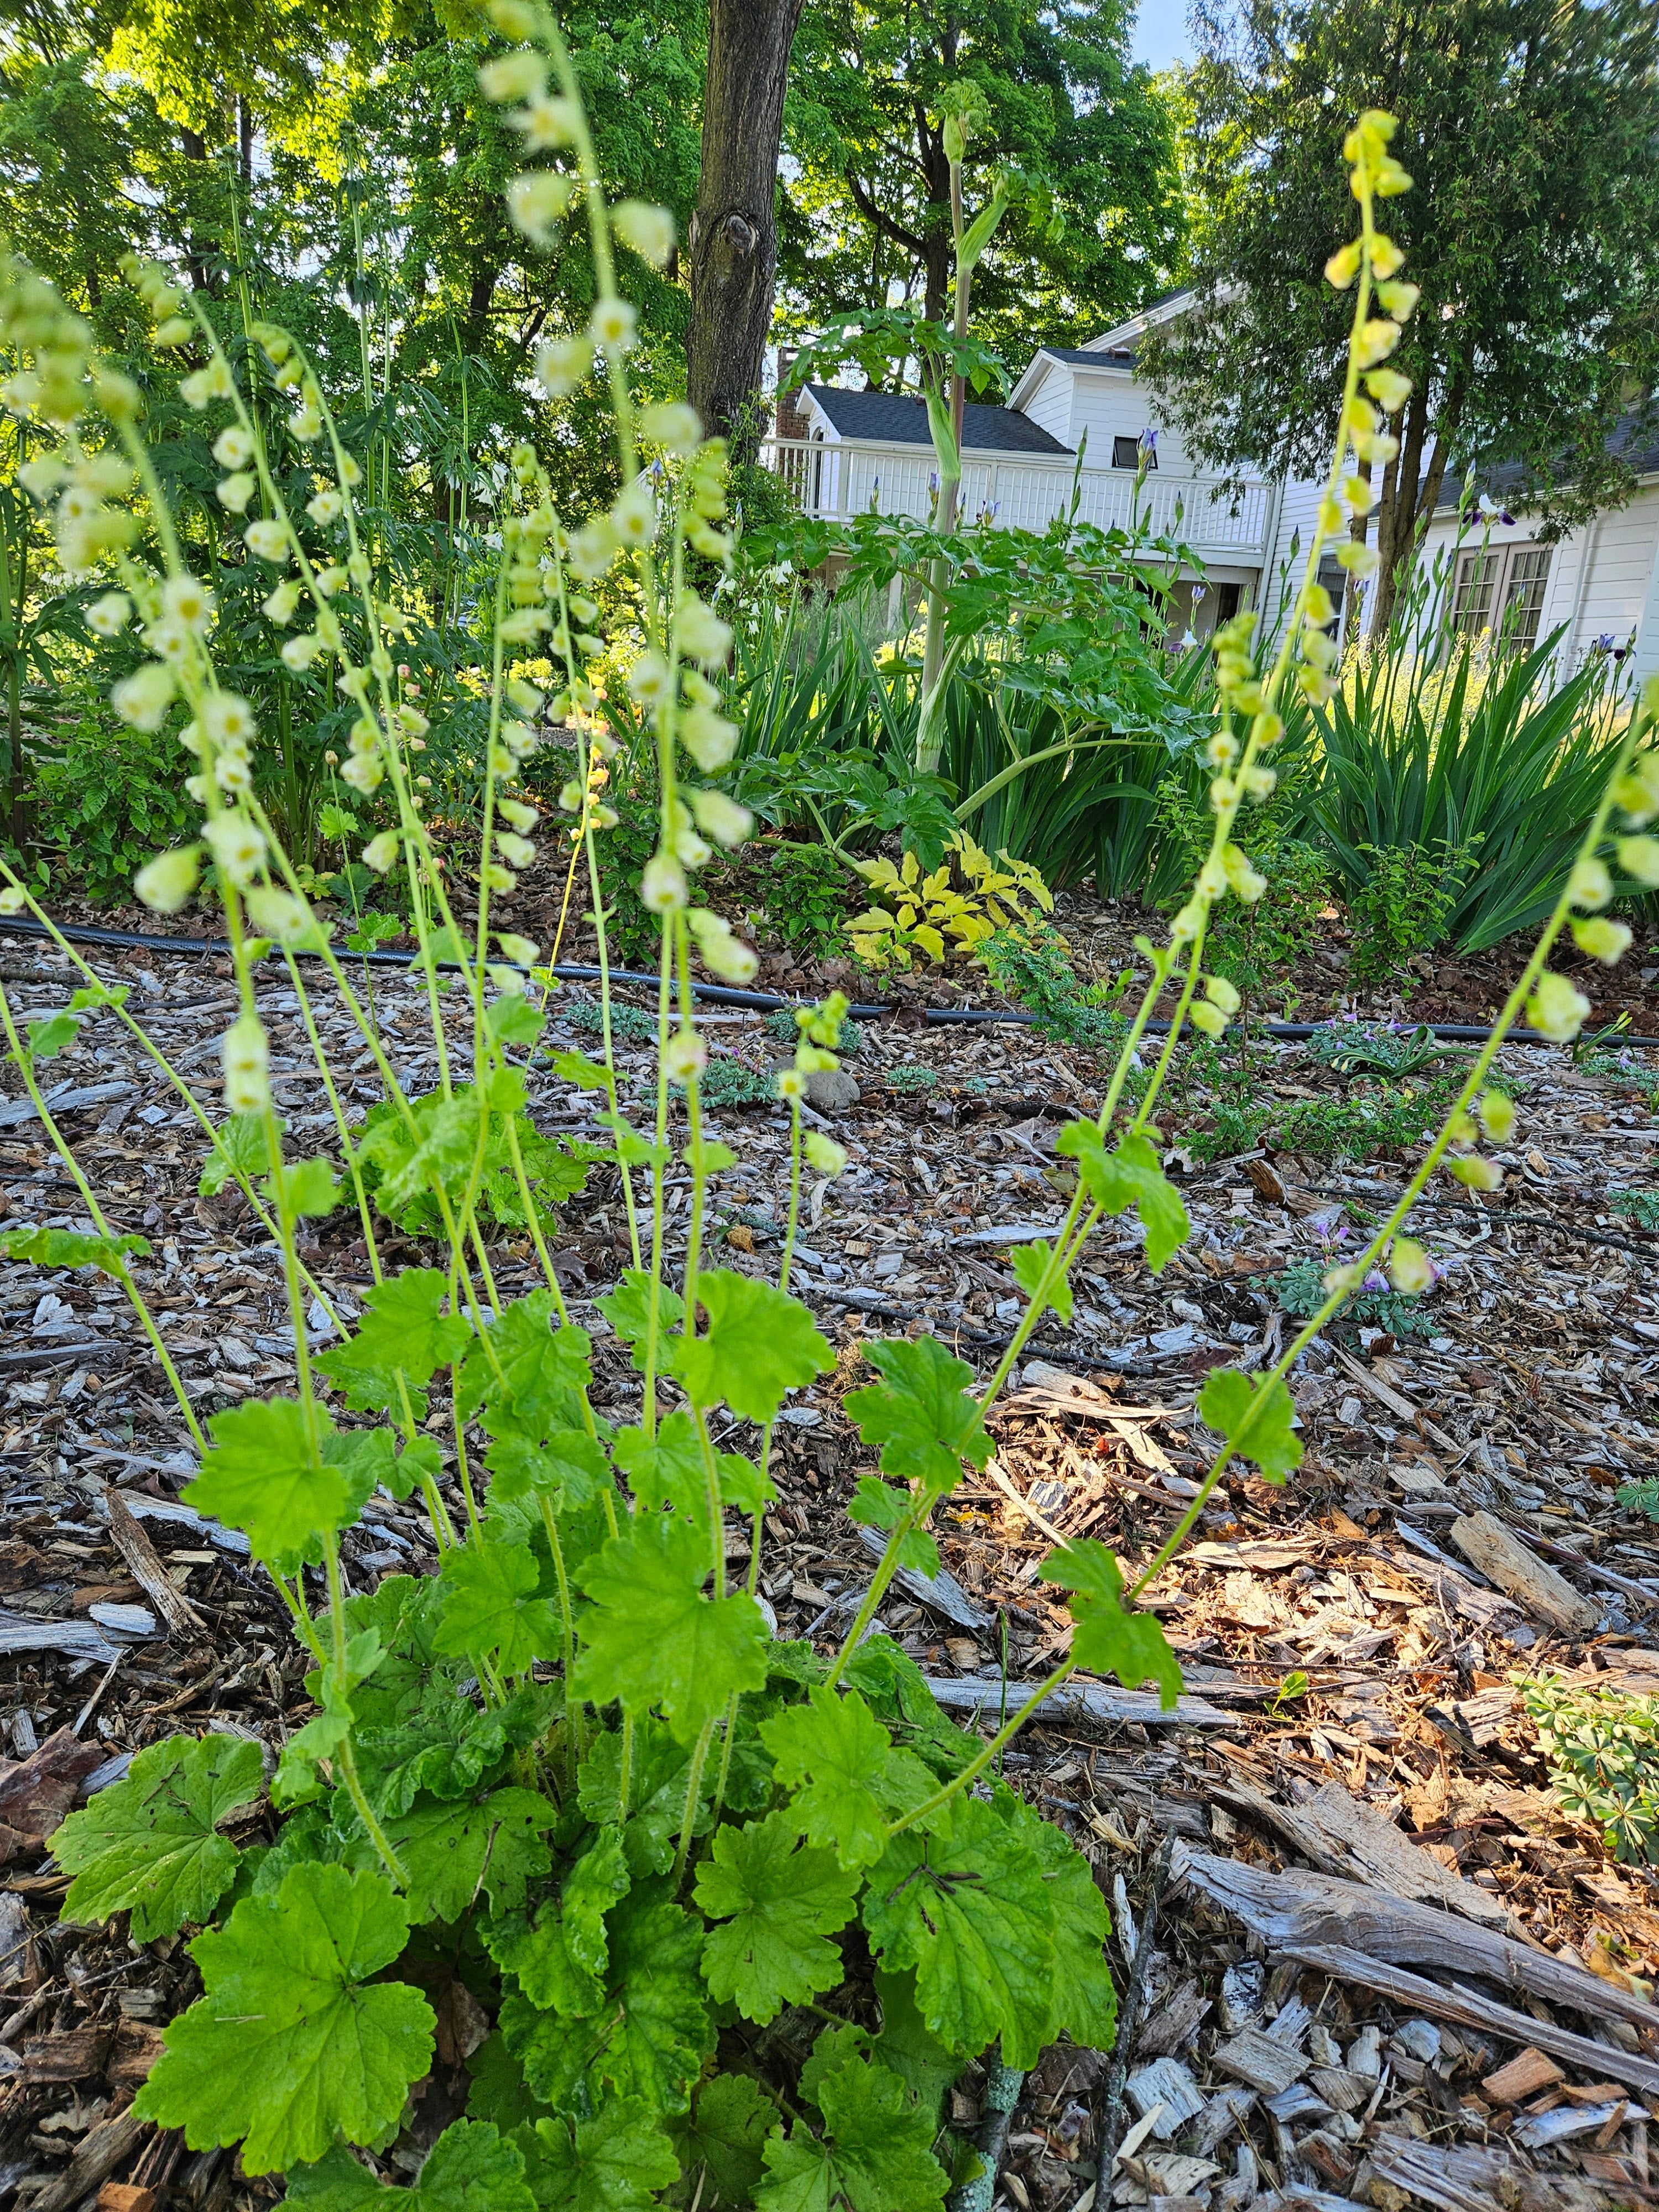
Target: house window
x,y
1503,589
1126,455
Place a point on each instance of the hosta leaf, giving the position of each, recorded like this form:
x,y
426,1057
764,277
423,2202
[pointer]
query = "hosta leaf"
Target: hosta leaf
x,y
777,1899
627,1309
1127,1176
293,2044
561,1959
544,1368
1255,1416
966,1904
651,2031
570,1468
876,2154
260,1476
612,2163
760,1344
652,1639
1107,1640
490,1608
403,1333
920,1414
836,1748
151,1845
725,2135
470,2168
451,1852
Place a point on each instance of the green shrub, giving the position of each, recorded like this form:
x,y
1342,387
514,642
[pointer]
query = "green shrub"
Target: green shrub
x,y
1352,1128
108,799
1032,965
1405,903
1299,1290
1641,1207
805,894
1255,947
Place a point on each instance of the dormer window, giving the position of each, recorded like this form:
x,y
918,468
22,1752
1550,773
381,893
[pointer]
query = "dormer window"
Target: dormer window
x,y
1127,453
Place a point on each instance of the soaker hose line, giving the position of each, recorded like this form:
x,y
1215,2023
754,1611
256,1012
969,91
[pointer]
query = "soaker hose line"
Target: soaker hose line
x,y
721,994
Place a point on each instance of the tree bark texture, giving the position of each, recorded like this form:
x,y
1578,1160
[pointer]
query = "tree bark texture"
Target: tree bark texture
x,y
734,238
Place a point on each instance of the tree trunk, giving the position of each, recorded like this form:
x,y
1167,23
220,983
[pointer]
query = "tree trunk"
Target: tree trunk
x,y
734,247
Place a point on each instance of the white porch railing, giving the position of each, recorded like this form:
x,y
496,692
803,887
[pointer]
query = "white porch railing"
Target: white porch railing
x,y
1021,491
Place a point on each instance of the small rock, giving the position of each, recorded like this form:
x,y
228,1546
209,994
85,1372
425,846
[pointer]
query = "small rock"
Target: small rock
x,y
832,1090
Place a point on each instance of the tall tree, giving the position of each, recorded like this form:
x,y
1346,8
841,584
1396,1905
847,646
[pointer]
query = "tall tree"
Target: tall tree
x,y
867,215
1531,130
734,235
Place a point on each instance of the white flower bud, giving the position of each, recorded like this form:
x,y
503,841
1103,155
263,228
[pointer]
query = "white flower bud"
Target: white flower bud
x,y
645,230
283,602
1203,1016
662,885
1590,885
823,1153
246,1059
1558,1008
521,817
521,75
164,883
238,848
699,632
381,853
708,738
1601,938
300,651
228,719
363,772
791,1084
613,326
537,200
325,506
278,915
684,1055
143,697
519,851
671,423
1639,857
1220,992
1496,1113
268,539
523,951
236,493
109,617
1477,1172
13,898
562,364
720,817
648,679
1408,1267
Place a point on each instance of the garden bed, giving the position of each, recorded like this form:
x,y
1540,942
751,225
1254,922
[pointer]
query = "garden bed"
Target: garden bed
x,y
1348,1633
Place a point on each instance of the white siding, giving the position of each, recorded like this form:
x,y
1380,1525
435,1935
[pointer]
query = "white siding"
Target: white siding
x,y
1050,406
1298,506
1109,403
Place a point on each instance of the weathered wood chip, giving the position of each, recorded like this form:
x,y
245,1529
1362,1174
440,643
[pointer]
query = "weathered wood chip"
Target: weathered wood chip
x,y
1260,2061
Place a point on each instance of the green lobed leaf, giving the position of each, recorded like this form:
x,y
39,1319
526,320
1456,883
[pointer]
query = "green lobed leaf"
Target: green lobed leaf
x,y
308,1188
490,1608
403,1333
568,1469
561,1959
627,1309
839,1761
544,1368
260,1476
1083,2002
725,2137
760,1344
879,1505
1108,1640
920,1414
72,1248
876,2154
657,1781
777,1901
293,2044
1030,1263
240,1151
453,1851
966,1904
447,1744
613,2162
1129,1175
1255,1415
652,1639
470,2168
150,1844
650,2032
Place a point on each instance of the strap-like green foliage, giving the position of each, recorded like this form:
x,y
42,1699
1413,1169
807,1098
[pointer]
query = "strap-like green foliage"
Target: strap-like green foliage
x,y
776,1899
875,2154
1255,1420
920,1414
759,1345
653,1639
1108,1640
403,1333
72,1248
151,1845
293,2042
1129,1175
469,2169
853,1778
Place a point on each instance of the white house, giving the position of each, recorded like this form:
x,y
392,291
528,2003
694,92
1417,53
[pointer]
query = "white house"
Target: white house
x,y
1074,427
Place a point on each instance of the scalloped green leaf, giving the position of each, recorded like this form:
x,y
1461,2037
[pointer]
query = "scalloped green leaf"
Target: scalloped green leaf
x,y
846,1778
1107,1639
261,1476
150,1845
404,1332
1129,1175
490,1609
920,1414
613,2162
777,1901
876,2153
760,1344
470,2168
1254,1413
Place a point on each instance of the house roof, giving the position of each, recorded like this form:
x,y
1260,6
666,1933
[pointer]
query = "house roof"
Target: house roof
x,y
1634,439
899,419
1092,356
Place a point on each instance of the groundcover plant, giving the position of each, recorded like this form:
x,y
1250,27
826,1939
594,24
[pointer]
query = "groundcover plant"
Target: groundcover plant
x,y
739,1912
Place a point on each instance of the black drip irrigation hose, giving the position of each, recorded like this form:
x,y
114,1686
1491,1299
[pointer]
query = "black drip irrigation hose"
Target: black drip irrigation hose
x,y
723,995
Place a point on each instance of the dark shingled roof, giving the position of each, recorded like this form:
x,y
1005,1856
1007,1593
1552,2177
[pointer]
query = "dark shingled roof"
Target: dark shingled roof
x,y
1634,438
896,419
1120,357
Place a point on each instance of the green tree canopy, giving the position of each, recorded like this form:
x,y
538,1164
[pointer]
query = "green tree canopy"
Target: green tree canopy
x,y
866,218
1531,130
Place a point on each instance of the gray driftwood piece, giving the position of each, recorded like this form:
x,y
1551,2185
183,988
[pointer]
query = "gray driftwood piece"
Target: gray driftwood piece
x,y
56,1355
75,1639
1364,1937
1079,1701
941,1593
65,1100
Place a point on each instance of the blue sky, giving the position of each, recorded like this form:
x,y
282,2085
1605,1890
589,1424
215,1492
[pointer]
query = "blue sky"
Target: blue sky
x,y
1160,35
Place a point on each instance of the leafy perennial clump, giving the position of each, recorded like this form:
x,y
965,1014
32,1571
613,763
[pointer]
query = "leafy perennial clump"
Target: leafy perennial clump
x,y
739,1911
